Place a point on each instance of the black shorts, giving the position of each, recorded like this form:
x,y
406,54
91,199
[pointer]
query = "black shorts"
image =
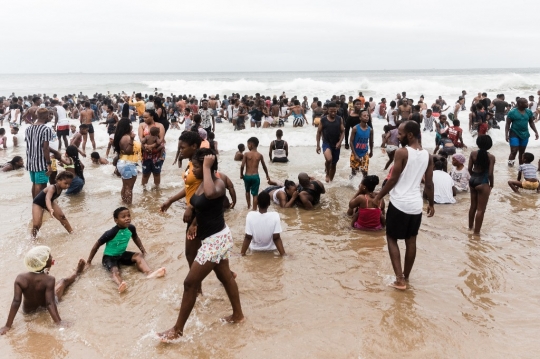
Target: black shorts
x,y
61,133
125,259
90,128
400,225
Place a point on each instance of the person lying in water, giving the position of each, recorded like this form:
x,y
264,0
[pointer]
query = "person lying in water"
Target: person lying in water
x,y
366,215
309,191
116,241
37,289
283,194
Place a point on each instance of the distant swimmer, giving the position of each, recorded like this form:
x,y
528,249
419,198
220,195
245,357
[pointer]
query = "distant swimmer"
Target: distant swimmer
x,y
87,116
517,130
37,289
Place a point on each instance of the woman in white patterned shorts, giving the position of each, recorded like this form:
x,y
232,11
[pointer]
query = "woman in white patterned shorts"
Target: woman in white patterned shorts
x,y
209,226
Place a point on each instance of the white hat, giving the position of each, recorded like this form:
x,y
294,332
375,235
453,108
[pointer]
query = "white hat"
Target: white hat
x,y
36,258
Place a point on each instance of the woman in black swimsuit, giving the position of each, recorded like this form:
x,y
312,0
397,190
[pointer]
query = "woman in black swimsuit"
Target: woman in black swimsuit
x,y
481,164
46,200
213,255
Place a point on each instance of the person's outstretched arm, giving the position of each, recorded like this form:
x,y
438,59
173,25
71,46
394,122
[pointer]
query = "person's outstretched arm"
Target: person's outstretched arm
x,y
15,304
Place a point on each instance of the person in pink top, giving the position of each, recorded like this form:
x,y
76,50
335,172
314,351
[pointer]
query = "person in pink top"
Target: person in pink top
x,y
366,215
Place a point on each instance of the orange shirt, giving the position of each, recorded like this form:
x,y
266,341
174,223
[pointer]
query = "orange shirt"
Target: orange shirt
x,y
362,100
191,183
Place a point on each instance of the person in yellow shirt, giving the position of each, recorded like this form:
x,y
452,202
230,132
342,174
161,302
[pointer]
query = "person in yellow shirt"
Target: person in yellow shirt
x,y
139,104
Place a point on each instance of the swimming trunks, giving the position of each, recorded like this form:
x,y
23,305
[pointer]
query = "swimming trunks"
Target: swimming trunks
x,y
400,224
252,183
335,152
125,258
530,185
362,165
90,128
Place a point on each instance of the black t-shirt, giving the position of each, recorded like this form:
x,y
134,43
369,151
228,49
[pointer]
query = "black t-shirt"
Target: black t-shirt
x,y
486,102
500,106
331,130
15,106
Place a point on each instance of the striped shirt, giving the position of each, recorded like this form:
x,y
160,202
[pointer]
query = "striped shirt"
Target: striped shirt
x,y
36,135
528,170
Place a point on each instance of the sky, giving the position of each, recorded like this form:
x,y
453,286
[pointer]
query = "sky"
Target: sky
x,y
98,36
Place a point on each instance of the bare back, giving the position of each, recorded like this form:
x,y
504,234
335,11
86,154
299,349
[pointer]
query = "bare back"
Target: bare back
x,y
252,159
34,287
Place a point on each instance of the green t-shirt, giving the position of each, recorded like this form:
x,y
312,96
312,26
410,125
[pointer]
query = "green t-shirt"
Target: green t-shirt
x,y
520,123
116,240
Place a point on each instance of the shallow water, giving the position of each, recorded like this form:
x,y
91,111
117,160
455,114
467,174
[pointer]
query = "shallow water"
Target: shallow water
x,y
469,297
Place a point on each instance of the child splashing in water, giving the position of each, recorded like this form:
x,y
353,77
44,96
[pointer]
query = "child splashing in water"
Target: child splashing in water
x,y
116,241
37,289
46,200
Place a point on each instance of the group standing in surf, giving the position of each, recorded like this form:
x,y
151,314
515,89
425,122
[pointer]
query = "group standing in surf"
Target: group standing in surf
x,y
340,123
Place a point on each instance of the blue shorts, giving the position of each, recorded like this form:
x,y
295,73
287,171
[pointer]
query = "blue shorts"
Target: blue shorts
x,y
335,152
518,142
39,177
252,183
126,169
76,185
148,166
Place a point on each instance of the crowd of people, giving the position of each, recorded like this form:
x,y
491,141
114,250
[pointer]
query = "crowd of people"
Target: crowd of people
x,y
414,174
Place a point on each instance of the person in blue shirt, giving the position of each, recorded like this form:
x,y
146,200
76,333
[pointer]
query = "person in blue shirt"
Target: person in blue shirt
x,y
517,133
361,145
116,241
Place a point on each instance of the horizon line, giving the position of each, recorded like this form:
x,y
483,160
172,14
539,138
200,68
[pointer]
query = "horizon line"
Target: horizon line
x,y
258,72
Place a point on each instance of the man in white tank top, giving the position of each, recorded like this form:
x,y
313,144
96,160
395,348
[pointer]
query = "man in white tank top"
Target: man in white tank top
x,y
411,163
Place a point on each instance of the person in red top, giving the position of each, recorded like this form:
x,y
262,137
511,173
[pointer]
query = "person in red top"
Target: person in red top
x,y
455,133
366,215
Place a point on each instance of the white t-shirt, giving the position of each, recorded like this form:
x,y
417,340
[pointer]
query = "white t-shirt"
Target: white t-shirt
x,y
262,226
442,183
460,178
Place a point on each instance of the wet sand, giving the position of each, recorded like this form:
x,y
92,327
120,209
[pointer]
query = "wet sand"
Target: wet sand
x,y
469,297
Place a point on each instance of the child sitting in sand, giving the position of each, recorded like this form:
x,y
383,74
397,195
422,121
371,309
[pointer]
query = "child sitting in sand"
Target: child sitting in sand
x,y
239,155
116,241
46,200
528,171
37,288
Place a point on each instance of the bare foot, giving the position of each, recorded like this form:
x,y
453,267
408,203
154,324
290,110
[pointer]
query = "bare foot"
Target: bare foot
x,y
169,335
157,273
122,287
232,319
398,285
80,266
327,179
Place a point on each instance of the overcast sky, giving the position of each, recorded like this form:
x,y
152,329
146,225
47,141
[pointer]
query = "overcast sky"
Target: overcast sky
x,y
198,36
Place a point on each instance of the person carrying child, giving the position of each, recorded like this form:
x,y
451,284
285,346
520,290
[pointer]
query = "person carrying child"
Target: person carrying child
x,y
251,179
115,254
527,171
46,200
37,289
